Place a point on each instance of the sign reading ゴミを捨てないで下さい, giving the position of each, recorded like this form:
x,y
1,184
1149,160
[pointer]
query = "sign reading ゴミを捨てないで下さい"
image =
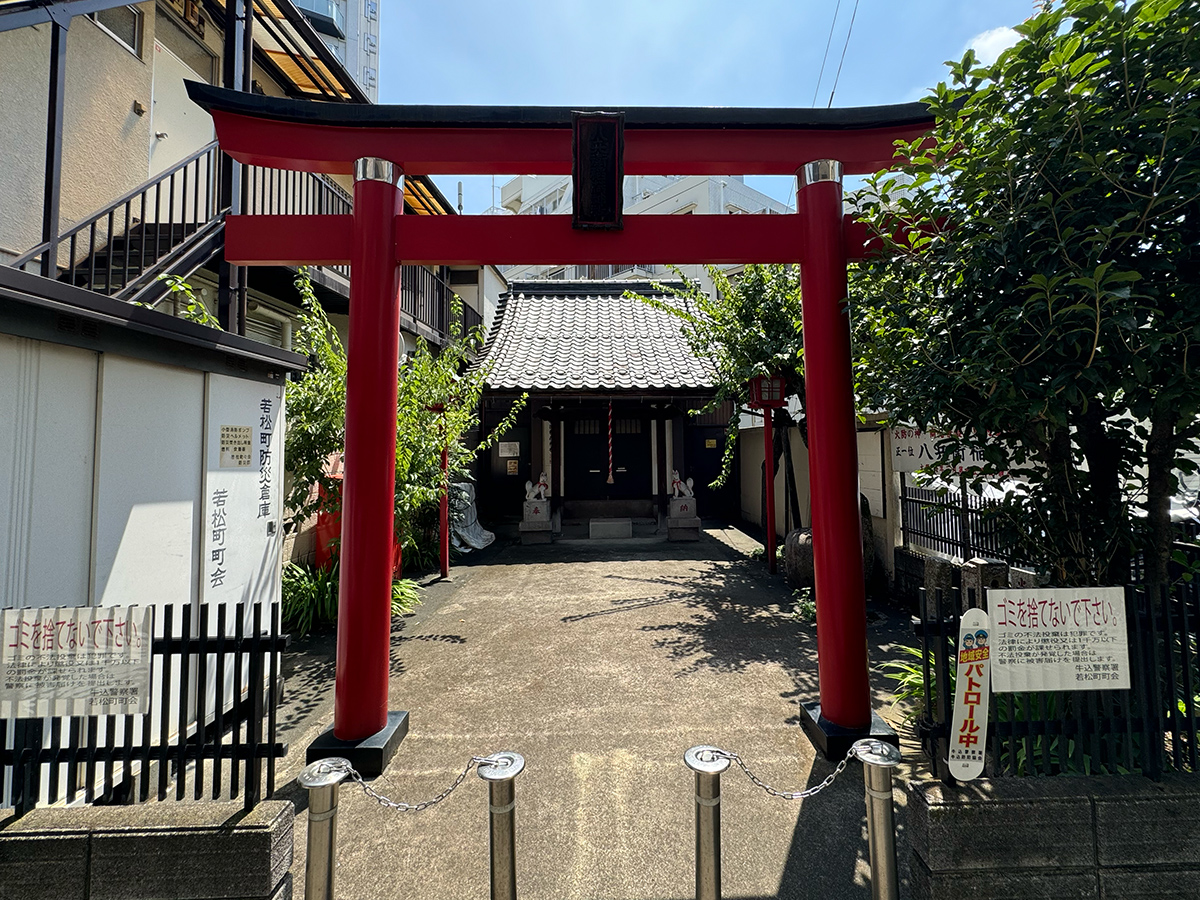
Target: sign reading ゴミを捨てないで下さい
x,y
75,661
1059,639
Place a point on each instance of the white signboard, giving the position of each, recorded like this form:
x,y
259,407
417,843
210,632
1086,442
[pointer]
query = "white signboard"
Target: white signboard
x,y
968,736
243,504
509,449
1059,639
75,661
914,449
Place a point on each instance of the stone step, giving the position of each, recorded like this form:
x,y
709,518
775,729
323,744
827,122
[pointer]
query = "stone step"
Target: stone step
x,y
610,528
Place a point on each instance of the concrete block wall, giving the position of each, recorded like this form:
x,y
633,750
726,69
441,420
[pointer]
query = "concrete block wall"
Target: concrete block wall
x,y
163,851
1120,838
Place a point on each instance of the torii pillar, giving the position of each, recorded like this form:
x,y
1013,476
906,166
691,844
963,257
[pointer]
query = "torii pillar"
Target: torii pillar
x,y
364,730
843,713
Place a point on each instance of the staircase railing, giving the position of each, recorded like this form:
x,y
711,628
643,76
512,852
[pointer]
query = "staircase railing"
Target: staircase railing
x,y
283,192
173,223
121,248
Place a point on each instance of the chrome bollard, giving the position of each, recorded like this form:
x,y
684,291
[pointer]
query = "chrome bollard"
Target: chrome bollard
x,y
321,779
500,771
708,764
878,759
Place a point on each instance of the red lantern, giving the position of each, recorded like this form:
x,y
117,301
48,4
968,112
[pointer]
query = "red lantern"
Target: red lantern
x,y
766,392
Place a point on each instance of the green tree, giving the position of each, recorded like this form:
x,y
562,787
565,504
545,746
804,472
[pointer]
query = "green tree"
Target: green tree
x,y
450,380
316,410
316,416
1040,279
750,325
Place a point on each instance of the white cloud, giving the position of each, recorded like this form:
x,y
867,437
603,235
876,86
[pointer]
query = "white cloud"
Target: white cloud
x,y
990,44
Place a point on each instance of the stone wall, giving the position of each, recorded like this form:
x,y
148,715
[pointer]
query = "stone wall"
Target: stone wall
x,y
1119,838
157,851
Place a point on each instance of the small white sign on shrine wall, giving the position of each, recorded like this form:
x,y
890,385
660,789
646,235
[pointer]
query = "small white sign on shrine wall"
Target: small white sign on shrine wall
x,y
75,661
509,449
1059,639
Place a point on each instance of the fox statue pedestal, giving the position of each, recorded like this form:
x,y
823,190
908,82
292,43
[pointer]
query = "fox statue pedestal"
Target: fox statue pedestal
x,y
535,524
683,524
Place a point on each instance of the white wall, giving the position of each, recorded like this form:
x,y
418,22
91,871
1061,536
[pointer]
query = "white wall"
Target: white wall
x,y
109,466
493,285
874,480
147,511
48,408
750,450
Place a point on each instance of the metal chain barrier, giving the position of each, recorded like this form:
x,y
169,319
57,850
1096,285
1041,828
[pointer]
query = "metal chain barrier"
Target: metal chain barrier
x,y
878,758
330,766
786,795
322,778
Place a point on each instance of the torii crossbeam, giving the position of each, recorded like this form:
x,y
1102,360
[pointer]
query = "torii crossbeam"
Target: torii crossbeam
x,y
380,144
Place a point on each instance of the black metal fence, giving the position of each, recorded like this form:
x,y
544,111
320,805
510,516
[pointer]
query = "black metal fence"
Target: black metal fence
x,y
216,672
1148,729
956,523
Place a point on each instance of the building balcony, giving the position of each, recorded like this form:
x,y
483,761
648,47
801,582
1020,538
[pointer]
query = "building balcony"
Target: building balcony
x,y
327,16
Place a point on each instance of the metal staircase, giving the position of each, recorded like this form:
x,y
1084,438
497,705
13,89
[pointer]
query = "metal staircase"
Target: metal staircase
x,y
169,224
173,224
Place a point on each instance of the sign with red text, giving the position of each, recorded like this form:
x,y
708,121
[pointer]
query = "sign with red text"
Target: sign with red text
x,y
968,736
75,661
1059,639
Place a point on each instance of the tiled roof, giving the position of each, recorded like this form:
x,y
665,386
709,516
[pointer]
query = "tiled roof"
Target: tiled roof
x,y
587,336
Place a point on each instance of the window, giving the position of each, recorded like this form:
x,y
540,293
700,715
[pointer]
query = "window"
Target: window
x,y
627,426
125,24
372,10
587,426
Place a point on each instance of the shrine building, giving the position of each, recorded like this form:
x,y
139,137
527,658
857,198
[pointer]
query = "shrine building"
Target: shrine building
x,y
611,381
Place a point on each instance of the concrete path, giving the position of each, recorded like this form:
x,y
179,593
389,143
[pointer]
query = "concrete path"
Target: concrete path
x,y
601,662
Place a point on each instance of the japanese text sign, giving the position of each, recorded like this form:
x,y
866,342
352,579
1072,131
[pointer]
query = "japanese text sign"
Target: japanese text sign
x,y
968,736
1059,639
75,661
235,446
914,450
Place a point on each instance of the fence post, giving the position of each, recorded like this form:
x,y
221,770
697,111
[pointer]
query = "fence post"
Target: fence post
x,y
708,763
321,779
500,771
878,759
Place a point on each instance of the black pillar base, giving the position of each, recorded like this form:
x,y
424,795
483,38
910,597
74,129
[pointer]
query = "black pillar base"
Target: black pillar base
x,y
371,754
834,741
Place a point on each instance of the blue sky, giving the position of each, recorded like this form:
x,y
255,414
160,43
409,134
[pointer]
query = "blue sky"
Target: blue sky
x,y
615,53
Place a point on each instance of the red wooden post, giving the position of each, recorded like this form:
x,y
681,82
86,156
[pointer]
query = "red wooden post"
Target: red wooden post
x,y
833,452
360,706
769,456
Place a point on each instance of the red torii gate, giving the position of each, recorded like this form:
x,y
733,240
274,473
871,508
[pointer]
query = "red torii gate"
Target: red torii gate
x,y
379,144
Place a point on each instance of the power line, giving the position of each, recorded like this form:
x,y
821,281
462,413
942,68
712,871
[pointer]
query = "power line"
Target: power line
x,y
849,31
828,41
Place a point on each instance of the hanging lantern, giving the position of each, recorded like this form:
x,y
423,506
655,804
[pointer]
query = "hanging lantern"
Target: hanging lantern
x,y
766,392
